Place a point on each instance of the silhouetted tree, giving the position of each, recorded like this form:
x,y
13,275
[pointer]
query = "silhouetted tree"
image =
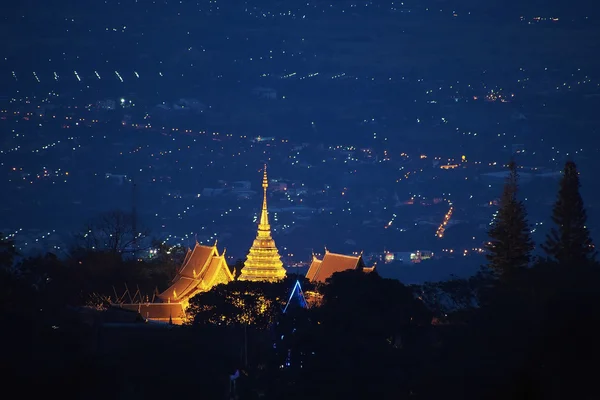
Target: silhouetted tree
x,y
112,232
365,321
15,289
87,275
569,243
510,245
369,305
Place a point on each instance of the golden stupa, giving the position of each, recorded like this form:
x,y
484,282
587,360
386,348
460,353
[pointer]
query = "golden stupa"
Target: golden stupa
x,y
263,262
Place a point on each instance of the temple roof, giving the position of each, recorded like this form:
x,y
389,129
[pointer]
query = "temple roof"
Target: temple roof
x,y
314,267
204,278
211,272
196,260
321,270
188,254
181,288
209,269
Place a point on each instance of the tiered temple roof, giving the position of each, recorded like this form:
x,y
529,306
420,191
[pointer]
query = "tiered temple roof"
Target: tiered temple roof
x,y
202,269
321,270
263,262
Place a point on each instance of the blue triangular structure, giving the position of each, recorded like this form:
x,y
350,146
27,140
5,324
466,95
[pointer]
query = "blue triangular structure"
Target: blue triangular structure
x,y
298,295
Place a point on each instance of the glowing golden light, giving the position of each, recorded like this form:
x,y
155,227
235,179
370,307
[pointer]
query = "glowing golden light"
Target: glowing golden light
x,y
442,228
263,262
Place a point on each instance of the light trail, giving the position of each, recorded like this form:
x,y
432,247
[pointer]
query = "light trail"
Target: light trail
x,y
442,228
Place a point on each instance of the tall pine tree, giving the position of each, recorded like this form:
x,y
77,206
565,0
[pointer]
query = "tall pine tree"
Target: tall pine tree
x,y
569,243
510,245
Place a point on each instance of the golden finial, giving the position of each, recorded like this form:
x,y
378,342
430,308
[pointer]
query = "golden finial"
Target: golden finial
x,y
265,183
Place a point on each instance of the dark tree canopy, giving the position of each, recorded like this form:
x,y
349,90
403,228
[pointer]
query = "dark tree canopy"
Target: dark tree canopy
x,y
370,306
367,326
569,243
510,244
255,304
8,252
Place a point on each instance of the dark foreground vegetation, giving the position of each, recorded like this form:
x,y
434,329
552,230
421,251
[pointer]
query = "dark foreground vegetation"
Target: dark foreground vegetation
x,y
522,328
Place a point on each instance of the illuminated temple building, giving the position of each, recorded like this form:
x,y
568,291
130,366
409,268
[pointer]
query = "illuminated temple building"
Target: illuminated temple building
x,y
202,268
321,270
263,262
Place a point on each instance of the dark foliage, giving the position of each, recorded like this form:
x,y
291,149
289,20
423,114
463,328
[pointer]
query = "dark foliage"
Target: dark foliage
x,y
256,304
114,232
529,335
522,341
368,329
445,297
510,245
371,306
8,252
569,243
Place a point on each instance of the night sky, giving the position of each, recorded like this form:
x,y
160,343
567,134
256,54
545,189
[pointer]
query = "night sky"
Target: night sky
x,y
358,107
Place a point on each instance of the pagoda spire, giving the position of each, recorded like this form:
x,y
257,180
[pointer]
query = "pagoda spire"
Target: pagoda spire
x,y
263,262
264,215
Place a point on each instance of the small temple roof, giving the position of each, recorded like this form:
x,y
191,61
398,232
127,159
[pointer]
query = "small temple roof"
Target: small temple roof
x,y
321,270
314,267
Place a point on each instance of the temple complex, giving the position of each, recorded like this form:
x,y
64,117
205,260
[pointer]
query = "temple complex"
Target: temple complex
x,y
321,270
203,268
263,262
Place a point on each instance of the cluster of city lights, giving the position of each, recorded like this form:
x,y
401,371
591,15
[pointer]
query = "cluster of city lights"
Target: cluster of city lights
x,y
465,252
442,228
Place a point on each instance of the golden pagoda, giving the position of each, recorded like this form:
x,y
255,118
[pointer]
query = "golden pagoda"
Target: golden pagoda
x,y
263,262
